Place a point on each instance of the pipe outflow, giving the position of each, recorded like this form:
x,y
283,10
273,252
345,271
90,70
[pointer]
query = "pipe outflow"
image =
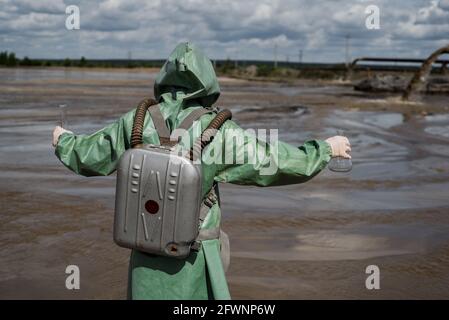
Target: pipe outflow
x,y
423,73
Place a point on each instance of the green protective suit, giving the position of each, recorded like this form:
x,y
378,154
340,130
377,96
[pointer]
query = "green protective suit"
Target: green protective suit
x,y
187,81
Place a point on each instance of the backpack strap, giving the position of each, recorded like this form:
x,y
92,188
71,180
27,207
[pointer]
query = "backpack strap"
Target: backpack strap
x,y
191,117
164,133
161,126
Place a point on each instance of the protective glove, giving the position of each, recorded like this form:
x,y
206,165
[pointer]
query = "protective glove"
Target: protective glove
x,y
340,146
57,133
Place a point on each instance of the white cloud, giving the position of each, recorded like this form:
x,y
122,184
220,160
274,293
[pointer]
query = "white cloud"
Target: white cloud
x,y
434,14
444,4
249,29
428,23
26,6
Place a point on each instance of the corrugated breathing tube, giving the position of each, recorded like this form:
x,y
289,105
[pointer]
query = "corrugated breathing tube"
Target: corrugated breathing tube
x,y
139,119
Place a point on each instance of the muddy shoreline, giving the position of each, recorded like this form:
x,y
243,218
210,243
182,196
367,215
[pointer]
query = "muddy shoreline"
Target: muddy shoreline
x,y
305,241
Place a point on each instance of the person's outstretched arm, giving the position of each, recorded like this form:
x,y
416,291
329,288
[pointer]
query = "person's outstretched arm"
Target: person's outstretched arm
x,y
275,163
96,154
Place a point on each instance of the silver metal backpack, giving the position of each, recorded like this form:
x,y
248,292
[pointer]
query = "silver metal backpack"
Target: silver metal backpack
x,y
158,193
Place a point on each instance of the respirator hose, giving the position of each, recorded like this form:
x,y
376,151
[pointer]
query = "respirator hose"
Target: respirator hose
x,y
208,135
139,119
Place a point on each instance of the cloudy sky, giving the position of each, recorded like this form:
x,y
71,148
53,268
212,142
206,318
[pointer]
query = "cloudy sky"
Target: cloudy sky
x,y
248,29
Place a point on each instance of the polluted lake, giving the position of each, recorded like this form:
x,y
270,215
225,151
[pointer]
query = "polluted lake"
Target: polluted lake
x,y
309,240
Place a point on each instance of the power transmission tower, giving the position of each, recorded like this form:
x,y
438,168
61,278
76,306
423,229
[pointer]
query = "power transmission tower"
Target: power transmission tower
x,y
347,44
300,56
130,56
236,61
275,56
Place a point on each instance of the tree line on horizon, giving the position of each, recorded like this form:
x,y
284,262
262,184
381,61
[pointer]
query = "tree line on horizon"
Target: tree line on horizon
x,y
242,68
9,59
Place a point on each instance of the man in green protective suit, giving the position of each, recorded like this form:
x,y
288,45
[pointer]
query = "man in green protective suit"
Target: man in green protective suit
x,y
186,82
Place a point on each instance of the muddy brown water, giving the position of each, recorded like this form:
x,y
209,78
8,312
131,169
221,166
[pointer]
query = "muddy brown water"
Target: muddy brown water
x,y
313,240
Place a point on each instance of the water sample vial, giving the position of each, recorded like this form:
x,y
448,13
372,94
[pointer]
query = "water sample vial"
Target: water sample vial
x,y
63,115
340,164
